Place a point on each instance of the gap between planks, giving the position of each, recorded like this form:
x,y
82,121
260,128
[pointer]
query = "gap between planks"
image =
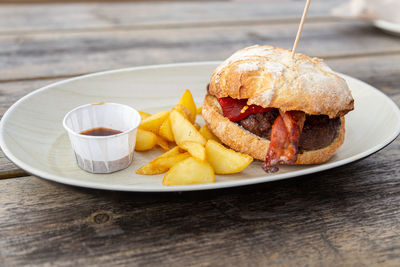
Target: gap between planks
x,y
13,174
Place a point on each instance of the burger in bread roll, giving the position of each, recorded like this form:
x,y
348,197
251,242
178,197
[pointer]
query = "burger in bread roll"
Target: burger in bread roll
x,y
278,109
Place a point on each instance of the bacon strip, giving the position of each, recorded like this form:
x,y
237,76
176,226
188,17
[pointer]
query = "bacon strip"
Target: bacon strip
x,y
285,135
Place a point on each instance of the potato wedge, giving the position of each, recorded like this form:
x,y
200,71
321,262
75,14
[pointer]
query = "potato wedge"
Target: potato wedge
x,y
172,152
154,122
187,101
199,110
195,149
144,115
162,143
189,171
152,167
207,134
196,126
168,162
225,160
145,140
183,130
166,131
184,111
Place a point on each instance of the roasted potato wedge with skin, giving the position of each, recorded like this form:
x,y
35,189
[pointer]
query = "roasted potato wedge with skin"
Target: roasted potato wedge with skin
x,y
184,111
225,160
187,101
152,167
168,162
166,131
183,130
154,122
144,115
145,140
162,143
207,134
189,171
173,151
195,149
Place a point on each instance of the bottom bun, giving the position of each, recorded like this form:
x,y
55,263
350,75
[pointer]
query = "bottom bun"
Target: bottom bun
x,y
239,139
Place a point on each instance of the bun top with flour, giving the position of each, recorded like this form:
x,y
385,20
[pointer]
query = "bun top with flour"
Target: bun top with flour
x,y
268,77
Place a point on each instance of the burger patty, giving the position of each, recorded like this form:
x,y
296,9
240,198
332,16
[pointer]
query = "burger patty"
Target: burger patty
x,y
318,131
260,123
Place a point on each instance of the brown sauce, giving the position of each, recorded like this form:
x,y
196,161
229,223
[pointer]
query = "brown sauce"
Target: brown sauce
x,y
101,131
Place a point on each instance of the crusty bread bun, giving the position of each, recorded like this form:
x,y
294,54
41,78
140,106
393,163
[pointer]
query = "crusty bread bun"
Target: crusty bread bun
x,y
239,139
267,76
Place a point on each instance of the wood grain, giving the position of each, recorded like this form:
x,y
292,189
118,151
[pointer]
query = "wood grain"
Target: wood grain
x,y
34,56
91,16
346,216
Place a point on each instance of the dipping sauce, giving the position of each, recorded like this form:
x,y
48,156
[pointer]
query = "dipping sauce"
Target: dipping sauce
x,y
100,131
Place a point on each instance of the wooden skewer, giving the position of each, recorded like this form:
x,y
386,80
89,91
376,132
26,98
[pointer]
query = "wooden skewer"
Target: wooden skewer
x,y
303,18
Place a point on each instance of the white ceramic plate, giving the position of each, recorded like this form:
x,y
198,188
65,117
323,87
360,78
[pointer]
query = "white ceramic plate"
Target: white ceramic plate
x,y
387,26
32,135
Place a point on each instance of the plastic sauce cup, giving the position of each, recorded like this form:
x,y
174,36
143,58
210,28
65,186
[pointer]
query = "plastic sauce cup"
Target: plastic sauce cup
x,y
103,154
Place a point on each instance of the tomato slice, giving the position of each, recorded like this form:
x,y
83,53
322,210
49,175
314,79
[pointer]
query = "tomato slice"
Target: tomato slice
x,y
237,109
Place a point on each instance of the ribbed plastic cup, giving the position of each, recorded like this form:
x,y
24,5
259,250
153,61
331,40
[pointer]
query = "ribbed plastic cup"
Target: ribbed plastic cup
x,y
103,154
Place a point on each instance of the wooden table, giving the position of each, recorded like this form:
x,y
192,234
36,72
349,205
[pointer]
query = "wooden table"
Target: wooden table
x,y
345,216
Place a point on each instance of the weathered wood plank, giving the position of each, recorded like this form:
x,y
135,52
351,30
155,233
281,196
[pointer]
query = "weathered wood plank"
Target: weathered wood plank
x,y
51,54
348,216
345,216
66,16
380,71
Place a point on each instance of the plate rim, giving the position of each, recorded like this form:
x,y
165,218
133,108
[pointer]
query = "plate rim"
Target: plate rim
x,y
198,187
387,26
